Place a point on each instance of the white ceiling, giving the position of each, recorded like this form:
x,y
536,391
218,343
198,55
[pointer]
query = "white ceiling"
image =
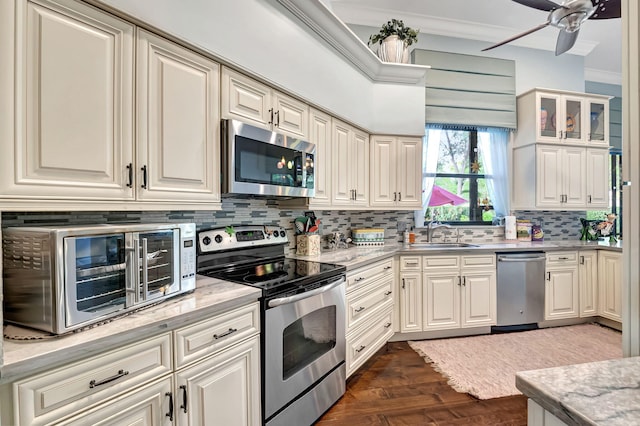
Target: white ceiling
x,y
600,41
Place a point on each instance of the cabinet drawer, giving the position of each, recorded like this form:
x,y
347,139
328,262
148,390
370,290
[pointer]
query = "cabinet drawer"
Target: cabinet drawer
x,y
362,276
410,263
440,262
68,390
372,337
209,336
365,302
478,261
562,257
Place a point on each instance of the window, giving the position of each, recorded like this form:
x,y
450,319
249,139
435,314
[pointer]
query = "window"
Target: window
x,y
464,176
615,194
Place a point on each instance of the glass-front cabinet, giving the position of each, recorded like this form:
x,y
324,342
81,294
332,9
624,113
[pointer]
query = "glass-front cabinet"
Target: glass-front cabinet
x,y
598,124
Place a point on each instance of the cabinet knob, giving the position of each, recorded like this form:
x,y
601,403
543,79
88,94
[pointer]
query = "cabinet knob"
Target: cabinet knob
x,y
387,293
403,283
360,309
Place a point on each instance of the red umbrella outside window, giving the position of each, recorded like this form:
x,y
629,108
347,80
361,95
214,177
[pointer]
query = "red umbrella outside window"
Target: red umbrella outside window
x,y
440,197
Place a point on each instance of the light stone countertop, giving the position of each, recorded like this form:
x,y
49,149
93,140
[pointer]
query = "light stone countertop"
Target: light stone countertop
x,y
595,393
211,297
356,257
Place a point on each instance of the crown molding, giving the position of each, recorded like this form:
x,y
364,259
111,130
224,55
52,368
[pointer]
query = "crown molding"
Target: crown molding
x,y
544,40
317,17
601,76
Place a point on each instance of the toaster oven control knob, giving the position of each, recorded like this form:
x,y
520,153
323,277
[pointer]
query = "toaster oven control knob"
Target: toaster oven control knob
x,y
276,234
218,238
206,241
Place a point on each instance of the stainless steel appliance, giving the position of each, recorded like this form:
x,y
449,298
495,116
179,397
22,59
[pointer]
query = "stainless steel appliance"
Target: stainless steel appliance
x,y
60,278
521,286
261,162
303,319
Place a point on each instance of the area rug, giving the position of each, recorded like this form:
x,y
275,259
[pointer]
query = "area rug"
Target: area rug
x,y
485,366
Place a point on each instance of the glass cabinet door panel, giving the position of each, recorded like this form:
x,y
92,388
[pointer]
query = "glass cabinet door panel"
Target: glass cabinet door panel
x,y
573,110
597,120
548,112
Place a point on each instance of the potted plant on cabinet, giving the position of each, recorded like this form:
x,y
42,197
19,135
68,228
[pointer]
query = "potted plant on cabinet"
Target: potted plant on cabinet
x,y
394,39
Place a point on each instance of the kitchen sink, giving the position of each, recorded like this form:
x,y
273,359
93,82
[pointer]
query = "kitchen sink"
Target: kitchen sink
x,y
441,245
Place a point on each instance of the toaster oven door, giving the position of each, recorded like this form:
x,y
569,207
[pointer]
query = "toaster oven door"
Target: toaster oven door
x,y
95,277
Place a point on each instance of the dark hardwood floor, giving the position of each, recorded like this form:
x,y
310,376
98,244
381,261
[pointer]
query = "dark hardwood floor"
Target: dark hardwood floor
x,y
396,387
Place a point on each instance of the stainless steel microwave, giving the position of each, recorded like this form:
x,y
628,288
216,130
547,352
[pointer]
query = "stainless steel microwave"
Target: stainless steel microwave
x,y
257,161
59,279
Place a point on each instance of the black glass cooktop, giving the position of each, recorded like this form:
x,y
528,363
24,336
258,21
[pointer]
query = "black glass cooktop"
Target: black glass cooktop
x,y
280,275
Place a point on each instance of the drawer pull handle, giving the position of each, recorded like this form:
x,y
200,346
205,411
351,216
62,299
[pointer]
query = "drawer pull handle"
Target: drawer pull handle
x,y
360,349
94,383
184,398
170,413
386,293
357,280
411,263
386,268
225,334
360,309
563,258
387,325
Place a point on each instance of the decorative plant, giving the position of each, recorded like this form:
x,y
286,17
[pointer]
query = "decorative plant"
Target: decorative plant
x,y
395,27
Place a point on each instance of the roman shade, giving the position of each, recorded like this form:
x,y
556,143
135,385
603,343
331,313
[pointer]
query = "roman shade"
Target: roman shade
x,y
466,91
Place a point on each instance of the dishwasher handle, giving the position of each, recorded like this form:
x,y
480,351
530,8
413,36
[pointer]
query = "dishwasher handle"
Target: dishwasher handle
x,y
520,259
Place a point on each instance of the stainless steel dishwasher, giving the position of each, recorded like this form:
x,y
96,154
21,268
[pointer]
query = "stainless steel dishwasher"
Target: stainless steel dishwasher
x,y
520,283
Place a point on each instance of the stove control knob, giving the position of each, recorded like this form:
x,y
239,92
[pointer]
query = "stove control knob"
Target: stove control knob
x,y
206,241
218,239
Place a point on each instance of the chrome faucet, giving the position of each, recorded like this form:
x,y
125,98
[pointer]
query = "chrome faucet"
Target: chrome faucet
x,y
432,226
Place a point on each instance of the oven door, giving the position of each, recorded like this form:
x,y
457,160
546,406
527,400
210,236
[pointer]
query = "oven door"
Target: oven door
x,y
304,341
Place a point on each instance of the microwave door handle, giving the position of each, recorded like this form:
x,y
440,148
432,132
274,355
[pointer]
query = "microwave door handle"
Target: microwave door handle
x,y
295,298
145,269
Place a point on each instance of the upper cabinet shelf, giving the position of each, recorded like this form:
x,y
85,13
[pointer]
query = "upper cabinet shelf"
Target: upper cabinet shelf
x,y
569,118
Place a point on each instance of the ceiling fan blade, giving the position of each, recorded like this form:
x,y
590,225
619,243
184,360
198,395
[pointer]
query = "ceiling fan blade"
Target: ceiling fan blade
x,y
541,4
606,9
566,40
539,27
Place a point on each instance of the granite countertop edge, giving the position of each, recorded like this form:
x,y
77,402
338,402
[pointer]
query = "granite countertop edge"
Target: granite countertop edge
x,y
24,358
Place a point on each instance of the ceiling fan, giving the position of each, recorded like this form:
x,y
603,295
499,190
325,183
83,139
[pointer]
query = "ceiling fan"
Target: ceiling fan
x,y
567,16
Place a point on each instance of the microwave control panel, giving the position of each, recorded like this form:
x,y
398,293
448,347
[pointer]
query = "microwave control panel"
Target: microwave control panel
x,y
188,252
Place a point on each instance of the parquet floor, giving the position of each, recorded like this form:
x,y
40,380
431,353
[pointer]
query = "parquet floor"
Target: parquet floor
x,y
396,387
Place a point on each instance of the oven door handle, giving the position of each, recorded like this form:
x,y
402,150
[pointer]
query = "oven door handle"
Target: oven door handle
x,y
291,299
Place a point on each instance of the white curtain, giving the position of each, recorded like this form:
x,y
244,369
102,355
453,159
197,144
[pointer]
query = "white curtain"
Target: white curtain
x,y
430,151
493,147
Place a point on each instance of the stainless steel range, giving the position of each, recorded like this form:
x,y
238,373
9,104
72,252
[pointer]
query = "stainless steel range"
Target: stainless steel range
x,y
303,318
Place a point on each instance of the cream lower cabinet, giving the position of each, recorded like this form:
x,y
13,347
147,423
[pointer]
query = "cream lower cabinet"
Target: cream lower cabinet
x,y
350,164
588,282
369,311
561,298
610,285
447,292
396,172
248,100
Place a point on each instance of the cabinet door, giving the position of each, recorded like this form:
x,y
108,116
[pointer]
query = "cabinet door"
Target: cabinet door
x,y
291,116
574,177
588,278
548,107
147,406
478,298
342,189
598,123
572,122
74,104
245,99
441,300
223,389
384,169
409,172
360,167
561,293
320,135
597,178
549,176
610,285
410,302
178,121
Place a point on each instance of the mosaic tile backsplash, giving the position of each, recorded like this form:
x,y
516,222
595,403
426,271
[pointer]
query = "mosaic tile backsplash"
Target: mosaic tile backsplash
x,y
241,211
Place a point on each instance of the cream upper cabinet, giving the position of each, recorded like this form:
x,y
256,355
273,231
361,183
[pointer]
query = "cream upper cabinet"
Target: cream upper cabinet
x,y
597,183
588,282
320,135
73,82
554,116
350,174
396,172
561,176
562,286
246,99
177,122
610,285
